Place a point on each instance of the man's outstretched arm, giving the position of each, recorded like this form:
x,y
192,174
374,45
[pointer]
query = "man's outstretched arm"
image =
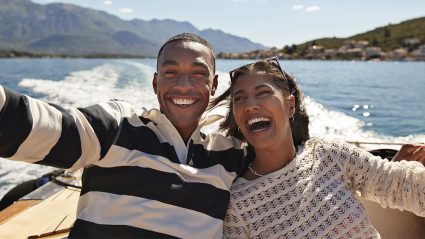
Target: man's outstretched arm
x,y
36,132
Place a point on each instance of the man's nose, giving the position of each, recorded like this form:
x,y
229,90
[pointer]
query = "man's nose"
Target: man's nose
x,y
184,80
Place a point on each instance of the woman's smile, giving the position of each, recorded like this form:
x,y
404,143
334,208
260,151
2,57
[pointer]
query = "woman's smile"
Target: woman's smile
x,y
258,124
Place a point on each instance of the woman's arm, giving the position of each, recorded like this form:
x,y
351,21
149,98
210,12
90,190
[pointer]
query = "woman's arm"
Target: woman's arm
x,y
394,184
411,152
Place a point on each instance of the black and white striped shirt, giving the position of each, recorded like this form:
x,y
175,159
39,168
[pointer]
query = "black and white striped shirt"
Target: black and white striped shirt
x,y
140,178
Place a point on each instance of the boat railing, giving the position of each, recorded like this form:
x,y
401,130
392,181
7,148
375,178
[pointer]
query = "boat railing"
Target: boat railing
x,y
359,143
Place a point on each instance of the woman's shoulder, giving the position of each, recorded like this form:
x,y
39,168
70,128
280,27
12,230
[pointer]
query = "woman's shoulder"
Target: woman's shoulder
x,y
334,148
241,184
326,143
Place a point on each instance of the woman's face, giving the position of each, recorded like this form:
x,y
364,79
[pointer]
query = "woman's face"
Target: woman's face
x,y
261,110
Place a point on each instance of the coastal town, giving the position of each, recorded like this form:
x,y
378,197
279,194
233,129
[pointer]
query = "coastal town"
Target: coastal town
x,y
412,50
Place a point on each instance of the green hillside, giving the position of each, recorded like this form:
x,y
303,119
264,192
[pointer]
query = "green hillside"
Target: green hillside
x,y
388,37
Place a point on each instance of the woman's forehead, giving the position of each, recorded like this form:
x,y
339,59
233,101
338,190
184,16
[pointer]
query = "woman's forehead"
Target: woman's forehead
x,y
252,80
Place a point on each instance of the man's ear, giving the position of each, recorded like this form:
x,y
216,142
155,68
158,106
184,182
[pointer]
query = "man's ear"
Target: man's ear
x,y
154,82
214,85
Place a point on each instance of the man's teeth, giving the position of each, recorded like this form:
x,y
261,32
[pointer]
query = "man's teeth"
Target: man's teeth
x,y
255,120
183,101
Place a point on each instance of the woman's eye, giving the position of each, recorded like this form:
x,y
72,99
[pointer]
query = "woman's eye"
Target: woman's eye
x,y
264,93
238,99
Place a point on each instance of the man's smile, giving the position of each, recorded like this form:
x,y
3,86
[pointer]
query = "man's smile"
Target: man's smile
x,y
183,102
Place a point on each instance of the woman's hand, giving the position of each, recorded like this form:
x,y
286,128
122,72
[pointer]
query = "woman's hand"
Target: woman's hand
x,y
411,152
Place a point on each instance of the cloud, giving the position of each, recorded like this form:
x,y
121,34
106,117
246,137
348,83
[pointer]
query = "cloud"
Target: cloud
x,y
312,9
249,1
125,10
107,2
298,7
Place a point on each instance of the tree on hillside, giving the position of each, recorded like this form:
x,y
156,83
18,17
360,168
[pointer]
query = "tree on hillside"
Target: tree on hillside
x,y
375,42
287,50
387,33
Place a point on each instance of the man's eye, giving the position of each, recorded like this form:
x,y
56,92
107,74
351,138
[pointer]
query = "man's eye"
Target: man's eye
x,y
169,73
199,74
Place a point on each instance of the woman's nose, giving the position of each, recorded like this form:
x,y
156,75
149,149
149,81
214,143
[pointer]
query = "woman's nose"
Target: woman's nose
x,y
251,104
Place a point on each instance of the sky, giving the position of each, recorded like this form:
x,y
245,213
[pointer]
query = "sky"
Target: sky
x,y
269,22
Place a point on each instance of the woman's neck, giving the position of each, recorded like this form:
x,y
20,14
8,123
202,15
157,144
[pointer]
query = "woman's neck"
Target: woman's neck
x,y
271,159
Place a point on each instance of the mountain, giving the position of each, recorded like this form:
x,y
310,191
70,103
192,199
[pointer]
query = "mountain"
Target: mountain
x,y
59,28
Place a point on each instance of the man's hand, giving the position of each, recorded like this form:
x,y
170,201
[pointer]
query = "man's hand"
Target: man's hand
x,y
411,152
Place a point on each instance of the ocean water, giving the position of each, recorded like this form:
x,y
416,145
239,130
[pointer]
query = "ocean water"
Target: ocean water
x,y
352,101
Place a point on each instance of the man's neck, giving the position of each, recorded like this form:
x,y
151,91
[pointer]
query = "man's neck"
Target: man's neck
x,y
186,133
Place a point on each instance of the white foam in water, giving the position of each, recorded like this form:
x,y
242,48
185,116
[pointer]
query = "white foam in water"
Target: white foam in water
x,y
102,83
337,125
84,88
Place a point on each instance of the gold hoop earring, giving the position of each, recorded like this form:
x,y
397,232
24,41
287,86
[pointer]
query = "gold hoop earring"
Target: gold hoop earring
x,y
291,119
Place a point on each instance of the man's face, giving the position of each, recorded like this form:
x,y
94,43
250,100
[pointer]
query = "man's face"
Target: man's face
x,y
183,83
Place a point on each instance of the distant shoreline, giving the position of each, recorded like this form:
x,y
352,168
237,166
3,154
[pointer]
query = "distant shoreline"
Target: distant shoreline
x,y
30,55
22,54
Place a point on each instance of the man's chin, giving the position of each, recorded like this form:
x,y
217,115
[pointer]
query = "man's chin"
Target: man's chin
x,y
186,122
183,118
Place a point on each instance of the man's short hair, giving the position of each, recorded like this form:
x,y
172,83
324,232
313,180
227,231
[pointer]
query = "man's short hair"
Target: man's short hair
x,y
187,37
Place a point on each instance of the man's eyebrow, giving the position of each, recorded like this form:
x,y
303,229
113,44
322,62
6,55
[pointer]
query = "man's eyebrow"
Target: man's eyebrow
x,y
201,64
169,62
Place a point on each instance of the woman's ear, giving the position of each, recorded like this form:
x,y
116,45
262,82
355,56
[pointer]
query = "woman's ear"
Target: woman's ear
x,y
291,105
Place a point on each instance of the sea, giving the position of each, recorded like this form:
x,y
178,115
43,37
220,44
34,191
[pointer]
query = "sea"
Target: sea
x,y
347,100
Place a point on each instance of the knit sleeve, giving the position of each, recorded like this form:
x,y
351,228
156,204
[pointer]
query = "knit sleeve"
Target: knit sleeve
x,y
234,227
395,184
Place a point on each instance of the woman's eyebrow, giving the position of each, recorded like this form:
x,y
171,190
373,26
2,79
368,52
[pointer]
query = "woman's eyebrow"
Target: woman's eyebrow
x,y
256,88
262,86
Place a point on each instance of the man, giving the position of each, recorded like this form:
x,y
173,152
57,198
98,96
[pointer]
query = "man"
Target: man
x,y
154,175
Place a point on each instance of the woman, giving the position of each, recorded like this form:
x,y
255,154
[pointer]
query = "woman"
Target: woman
x,y
300,187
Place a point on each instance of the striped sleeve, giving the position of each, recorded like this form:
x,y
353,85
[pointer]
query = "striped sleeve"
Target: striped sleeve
x,y
36,132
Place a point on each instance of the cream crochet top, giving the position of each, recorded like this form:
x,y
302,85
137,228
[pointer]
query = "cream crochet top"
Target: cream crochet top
x,y
314,195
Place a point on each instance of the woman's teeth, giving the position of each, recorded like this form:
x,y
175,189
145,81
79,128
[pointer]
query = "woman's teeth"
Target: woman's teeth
x,y
255,120
259,124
